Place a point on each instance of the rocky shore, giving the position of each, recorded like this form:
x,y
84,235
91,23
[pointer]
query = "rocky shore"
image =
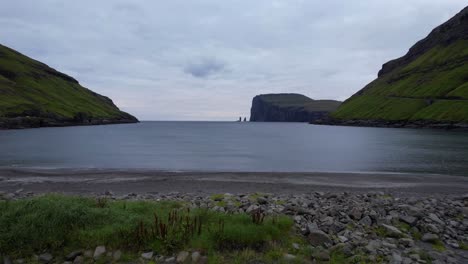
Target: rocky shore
x,y
377,225
392,124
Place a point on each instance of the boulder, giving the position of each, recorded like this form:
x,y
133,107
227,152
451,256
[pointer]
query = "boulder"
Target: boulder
x,y
99,252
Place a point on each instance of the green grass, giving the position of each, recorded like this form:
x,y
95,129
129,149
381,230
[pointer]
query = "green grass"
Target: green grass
x,y
299,101
440,74
438,245
463,246
28,85
60,224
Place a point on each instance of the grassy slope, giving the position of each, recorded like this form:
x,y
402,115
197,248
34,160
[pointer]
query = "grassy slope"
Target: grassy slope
x,y
440,74
60,224
300,101
26,84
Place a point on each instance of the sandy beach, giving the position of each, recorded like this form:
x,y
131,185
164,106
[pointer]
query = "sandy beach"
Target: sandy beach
x,y
94,181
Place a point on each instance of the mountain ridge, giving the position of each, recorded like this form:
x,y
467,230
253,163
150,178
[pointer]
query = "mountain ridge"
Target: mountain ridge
x,y
36,95
427,87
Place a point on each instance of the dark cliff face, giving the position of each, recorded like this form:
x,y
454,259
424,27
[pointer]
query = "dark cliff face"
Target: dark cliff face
x,y
289,108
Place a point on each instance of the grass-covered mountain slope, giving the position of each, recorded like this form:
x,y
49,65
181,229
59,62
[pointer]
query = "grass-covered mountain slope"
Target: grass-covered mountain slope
x,y
426,87
289,108
33,95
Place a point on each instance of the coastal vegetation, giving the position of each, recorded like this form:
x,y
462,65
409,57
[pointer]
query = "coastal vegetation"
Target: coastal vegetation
x,y
337,228
427,85
33,94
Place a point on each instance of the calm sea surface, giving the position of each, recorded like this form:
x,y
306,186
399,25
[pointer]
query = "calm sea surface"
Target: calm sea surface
x,y
232,146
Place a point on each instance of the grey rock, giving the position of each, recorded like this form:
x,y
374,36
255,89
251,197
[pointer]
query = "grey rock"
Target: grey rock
x,y
78,260
170,260
431,238
311,226
262,200
356,213
45,258
147,255
410,220
367,221
7,260
407,242
342,239
373,245
396,258
289,257
317,237
435,218
182,256
88,253
116,255
99,252
464,211
73,255
323,255
392,231
196,256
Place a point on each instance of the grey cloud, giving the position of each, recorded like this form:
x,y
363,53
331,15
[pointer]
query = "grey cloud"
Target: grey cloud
x,y
139,52
204,67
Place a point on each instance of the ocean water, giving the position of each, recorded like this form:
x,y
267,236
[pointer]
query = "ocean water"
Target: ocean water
x,y
233,146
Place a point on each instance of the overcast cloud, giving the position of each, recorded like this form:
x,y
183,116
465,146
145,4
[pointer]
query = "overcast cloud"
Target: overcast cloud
x,y
206,59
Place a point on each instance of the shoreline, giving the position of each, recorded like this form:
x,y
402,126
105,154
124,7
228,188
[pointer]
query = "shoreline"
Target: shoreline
x,y
394,218
94,181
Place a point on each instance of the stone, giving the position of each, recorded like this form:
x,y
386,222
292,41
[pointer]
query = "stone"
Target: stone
x,y
78,260
296,246
147,255
196,256
45,258
396,258
392,231
431,238
323,255
116,255
436,219
342,239
367,221
289,257
407,242
464,211
7,260
262,200
317,237
170,260
373,245
311,226
356,213
182,256
99,252
410,220
73,255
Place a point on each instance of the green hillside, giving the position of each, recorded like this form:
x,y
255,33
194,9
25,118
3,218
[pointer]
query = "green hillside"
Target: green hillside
x,y
428,84
33,94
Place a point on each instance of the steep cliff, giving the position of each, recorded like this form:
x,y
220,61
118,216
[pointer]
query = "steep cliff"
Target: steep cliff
x,y
34,95
289,108
428,87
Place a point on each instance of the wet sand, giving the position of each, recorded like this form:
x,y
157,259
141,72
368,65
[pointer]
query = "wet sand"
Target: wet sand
x,y
95,181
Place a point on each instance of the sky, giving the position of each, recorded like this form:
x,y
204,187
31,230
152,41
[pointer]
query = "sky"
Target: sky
x,y
207,59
